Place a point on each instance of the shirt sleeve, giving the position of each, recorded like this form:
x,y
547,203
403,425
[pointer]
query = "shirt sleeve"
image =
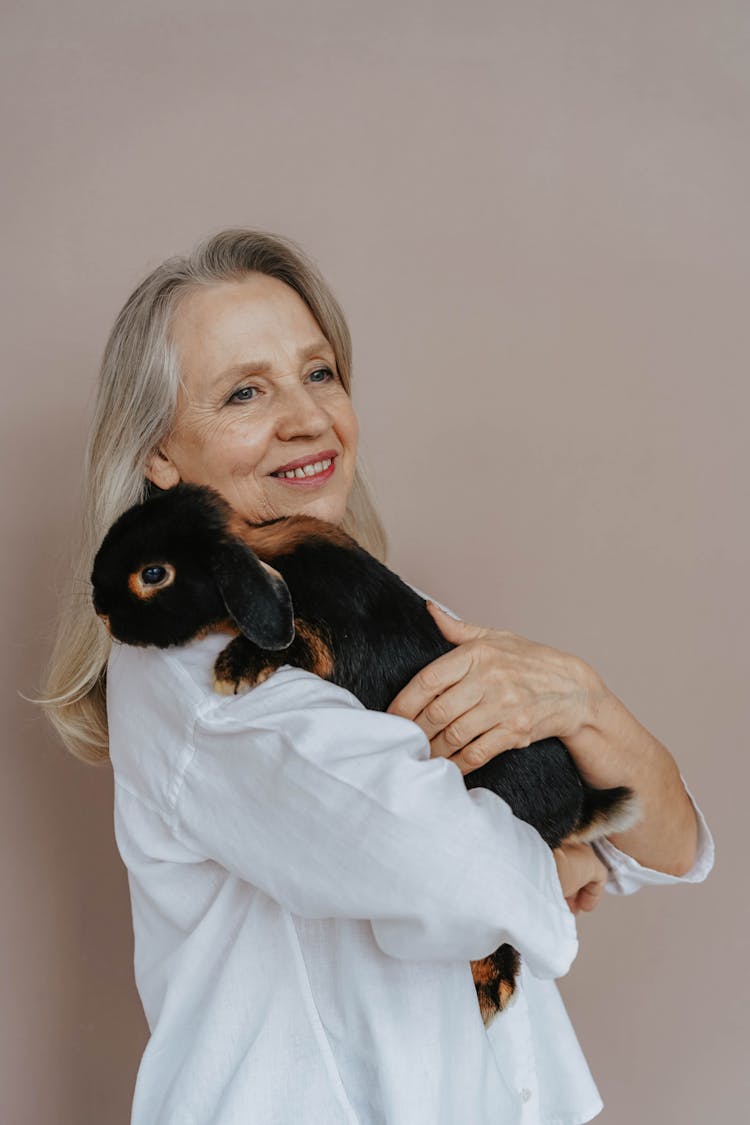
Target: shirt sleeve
x,y
627,875
337,811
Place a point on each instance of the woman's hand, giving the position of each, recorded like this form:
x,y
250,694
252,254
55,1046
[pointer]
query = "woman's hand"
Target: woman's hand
x,y
582,875
495,691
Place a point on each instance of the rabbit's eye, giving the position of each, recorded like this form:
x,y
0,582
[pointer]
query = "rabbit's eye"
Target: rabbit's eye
x,y
153,575
150,579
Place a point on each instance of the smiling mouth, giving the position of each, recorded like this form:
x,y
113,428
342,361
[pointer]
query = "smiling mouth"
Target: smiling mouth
x,y
314,470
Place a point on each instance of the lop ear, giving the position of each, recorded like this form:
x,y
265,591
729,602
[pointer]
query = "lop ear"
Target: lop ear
x,y
256,596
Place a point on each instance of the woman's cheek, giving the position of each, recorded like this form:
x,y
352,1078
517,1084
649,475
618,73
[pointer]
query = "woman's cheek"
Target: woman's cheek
x,y
235,440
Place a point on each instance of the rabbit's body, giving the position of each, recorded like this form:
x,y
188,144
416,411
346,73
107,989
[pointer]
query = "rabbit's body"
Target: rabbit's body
x,y
372,642
323,603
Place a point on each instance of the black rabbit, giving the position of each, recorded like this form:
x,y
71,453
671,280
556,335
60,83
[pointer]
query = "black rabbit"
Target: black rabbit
x,y
298,590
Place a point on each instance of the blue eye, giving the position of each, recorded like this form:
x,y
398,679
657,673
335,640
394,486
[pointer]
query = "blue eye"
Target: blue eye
x,y
242,391
152,575
325,371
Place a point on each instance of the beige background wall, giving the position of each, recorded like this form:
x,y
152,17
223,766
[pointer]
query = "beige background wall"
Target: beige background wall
x,y
535,216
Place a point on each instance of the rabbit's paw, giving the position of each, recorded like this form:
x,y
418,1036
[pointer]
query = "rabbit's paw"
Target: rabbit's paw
x,y
495,981
241,666
230,687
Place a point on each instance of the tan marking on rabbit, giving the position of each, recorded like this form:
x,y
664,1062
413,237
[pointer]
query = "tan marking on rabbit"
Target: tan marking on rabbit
x,y
272,540
494,989
489,1006
231,687
321,654
484,971
226,626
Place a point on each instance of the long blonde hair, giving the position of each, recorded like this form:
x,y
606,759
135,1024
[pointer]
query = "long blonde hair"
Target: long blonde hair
x,y
134,412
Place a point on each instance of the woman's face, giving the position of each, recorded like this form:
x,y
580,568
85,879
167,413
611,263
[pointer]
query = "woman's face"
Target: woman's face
x,y
261,389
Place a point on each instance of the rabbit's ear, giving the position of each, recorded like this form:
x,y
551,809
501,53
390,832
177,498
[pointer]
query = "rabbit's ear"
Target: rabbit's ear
x,y
256,596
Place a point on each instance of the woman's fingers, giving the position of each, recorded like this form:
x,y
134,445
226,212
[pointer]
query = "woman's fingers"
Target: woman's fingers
x,y
454,718
482,750
582,875
589,896
432,681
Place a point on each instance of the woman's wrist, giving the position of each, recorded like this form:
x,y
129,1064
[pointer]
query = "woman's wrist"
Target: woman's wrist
x,y
596,744
611,747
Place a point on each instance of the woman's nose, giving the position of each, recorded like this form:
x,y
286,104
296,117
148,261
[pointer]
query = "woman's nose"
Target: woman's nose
x,y
300,412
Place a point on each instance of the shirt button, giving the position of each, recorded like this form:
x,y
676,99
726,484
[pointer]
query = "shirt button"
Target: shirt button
x,y
525,1094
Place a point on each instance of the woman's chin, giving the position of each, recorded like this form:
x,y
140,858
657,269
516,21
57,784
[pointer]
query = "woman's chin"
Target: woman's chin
x,y
330,512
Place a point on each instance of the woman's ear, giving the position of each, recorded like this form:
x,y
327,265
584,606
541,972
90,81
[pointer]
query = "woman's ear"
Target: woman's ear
x,y
256,596
160,470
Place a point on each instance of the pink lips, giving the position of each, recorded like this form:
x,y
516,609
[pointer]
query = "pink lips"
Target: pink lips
x,y
310,459
314,481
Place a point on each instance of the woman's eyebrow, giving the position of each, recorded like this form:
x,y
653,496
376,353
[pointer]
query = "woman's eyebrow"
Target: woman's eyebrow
x,y
260,366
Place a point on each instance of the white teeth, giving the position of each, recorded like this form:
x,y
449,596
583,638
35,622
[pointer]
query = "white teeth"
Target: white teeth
x,y
306,470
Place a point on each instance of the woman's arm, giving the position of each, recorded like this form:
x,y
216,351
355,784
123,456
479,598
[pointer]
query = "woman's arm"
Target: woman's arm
x,y
337,811
611,747
497,690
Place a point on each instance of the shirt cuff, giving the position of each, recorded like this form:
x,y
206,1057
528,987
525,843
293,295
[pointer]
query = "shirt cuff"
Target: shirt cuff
x,y
627,875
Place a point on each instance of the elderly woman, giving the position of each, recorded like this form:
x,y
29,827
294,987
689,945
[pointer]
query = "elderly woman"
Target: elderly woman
x,y
310,879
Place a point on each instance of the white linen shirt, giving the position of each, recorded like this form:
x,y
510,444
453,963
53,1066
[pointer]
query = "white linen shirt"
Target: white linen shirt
x,y
308,887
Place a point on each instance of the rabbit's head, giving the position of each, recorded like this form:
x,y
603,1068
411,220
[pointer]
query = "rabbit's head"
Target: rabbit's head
x,y
170,569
